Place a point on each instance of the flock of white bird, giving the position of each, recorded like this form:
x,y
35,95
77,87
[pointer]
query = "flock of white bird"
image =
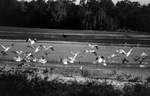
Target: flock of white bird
x,y
71,59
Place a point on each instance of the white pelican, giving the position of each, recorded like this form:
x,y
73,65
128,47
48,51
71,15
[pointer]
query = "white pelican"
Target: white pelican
x,y
90,51
48,47
101,59
35,49
113,55
129,52
120,51
6,48
73,59
64,60
144,55
28,55
92,46
35,59
81,67
18,58
18,52
31,41
42,60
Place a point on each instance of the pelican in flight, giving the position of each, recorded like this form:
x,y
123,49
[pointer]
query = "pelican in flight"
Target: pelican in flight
x,y
35,59
64,60
18,58
141,57
49,47
92,46
18,52
42,60
28,55
73,59
127,54
36,49
31,41
101,59
113,55
6,48
90,51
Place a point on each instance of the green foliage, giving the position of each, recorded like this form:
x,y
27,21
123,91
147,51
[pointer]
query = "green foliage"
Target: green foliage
x,y
65,14
16,82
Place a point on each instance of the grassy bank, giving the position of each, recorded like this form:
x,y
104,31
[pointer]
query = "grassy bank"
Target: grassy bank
x,y
26,81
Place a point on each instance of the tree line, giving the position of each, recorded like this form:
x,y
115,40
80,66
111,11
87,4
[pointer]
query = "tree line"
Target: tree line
x,y
65,14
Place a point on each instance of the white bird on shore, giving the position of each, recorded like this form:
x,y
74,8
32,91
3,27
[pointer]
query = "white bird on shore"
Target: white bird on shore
x,y
31,41
6,48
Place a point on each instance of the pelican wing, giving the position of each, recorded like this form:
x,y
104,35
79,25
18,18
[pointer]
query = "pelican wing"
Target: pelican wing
x,y
3,46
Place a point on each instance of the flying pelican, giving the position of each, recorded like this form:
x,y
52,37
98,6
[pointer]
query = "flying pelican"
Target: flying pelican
x,y
92,46
113,55
28,55
18,52
101,59
141,57
42,60
35,49
18,58
129,52
49,47
35,59
90,51
31,41
120,51
6,48
64,60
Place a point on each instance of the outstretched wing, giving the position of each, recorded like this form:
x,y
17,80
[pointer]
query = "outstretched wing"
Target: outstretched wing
x,y
30,46
3,47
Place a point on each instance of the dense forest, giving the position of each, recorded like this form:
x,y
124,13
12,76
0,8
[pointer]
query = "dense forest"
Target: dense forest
x,y
65,14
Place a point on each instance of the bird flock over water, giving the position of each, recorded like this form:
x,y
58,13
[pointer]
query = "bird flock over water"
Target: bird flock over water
x,y
75,57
